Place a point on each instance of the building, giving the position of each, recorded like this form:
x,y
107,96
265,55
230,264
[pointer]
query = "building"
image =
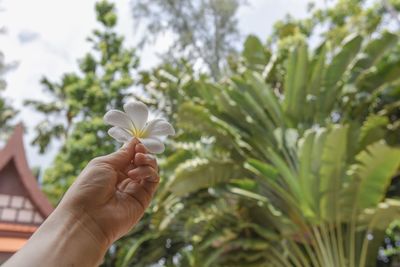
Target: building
x,y
23,207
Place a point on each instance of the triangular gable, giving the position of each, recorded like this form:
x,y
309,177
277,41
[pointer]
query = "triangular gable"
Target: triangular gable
x,y
18,179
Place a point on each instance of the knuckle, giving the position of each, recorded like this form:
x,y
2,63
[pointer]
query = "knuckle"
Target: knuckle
x,y
140,146
132,172
148,169
140,158
143,169
99,162
96,161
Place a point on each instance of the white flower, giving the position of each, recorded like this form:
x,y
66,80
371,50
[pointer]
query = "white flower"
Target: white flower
x,y
133,123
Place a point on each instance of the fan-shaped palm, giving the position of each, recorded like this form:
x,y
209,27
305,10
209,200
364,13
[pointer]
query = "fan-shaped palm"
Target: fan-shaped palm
x,y
290,175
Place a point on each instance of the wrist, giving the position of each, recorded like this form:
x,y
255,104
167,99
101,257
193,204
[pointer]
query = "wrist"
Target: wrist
x,y
72,237
76,224
65,239
78,237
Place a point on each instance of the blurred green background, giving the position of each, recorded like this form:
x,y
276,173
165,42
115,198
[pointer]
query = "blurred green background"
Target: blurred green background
x,y
287,150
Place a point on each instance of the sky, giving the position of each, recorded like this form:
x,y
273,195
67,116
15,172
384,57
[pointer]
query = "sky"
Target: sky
x,y
46,37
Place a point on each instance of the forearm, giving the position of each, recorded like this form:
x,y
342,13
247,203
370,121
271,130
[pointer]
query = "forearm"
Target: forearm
x,y
62,240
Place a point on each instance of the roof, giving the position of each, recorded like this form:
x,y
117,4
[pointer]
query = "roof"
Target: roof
x,y
14,151
23,206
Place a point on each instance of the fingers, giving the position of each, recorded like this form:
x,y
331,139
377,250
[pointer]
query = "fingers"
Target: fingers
x,y
140,148
121,158
142,192
144,178
144,172
147,176
146,159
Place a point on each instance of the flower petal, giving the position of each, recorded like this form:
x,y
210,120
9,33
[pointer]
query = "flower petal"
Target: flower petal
x,y
153,145
159,127
119,134
137,112
118,118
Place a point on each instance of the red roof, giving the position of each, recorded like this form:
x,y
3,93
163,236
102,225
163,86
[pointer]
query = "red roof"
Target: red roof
x,y
22,205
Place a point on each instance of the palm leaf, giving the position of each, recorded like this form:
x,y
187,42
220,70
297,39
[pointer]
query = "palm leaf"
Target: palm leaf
x,y
371,176
372,130
198,173
334,73
373,52
295,82
332,170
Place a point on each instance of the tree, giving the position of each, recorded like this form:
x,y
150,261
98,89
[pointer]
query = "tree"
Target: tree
x,y
7,112
284,162
283,183
205,30
341,19
262,157
74,116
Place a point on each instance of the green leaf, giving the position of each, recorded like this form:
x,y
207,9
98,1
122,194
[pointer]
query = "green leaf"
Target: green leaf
x,y
380,217
265,96
372,130
197,174
373,52
196,118
372,174
375,78
288,175
312,107
308,179
132,250
248,194
295,82
262,168
342,60
334,73
254,52
332,170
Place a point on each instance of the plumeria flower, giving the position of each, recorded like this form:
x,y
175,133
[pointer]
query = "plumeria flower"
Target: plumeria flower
x,y
133,124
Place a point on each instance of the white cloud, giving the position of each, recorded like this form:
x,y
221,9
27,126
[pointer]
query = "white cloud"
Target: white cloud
x,y
27,36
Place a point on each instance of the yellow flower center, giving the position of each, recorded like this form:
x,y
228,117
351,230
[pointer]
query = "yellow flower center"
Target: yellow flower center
x,y
139,133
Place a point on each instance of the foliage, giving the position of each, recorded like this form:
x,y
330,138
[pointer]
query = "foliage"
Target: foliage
x,y
7,112
391,250
336,20
286,161
205,30
309,138
79,101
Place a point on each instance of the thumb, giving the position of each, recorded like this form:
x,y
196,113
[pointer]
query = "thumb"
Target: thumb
x,y
123,157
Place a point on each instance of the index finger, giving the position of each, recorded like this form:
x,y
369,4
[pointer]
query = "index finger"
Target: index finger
x,y
145,159
123,157
140,148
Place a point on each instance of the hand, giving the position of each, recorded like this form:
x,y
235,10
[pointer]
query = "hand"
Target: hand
x,y
105,202
112,192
